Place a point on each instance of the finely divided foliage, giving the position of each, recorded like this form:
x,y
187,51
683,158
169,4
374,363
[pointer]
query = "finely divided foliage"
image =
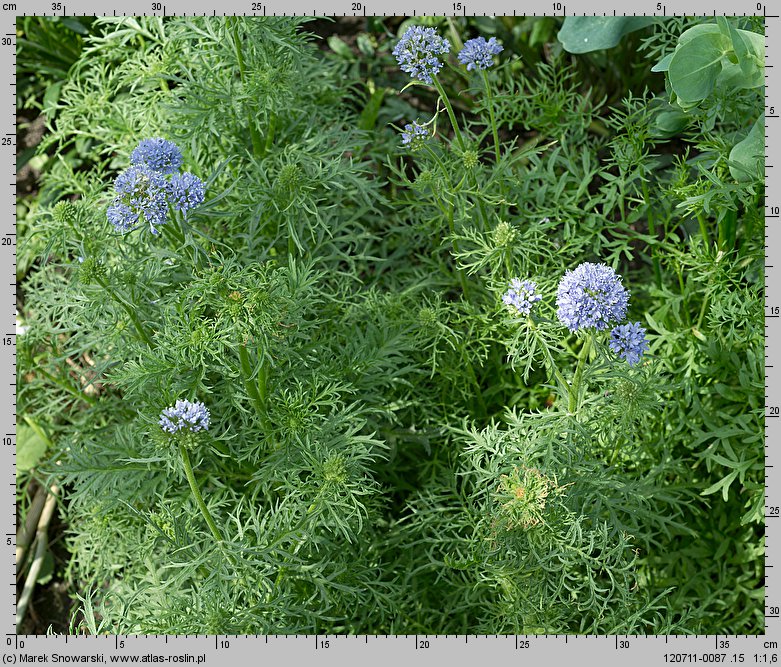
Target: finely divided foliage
x,y
366,379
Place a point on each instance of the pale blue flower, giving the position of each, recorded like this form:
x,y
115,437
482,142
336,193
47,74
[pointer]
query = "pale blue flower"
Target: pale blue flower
x,y
521,296
142,195
185,416
418,50
414,136
628,342
158,154
185,191
591,297
479,54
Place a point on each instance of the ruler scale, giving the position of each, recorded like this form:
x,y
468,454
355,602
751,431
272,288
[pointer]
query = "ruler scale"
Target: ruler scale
x,y
410,649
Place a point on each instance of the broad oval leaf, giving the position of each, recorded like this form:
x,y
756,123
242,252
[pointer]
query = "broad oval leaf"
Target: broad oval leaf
x,y
583,34
695,66
747,156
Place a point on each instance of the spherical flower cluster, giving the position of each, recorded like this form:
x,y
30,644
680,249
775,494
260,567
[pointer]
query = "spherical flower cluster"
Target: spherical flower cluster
x,y
521,296
185,191
591,296
479,54
158,154
145,190
628,342
141,191
418,50
414,135
185,416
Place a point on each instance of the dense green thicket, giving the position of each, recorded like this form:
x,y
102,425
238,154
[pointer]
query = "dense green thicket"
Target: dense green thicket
x,y
392,449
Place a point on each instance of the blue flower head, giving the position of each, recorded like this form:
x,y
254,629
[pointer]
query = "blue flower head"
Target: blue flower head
x,y
628,342
141,193
122,216
418,50
479,54
591,296
158,154
521,296
185,191
414,135
185,416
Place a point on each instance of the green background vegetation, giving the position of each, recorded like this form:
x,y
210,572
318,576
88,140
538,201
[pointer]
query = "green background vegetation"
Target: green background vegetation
x,y
388,453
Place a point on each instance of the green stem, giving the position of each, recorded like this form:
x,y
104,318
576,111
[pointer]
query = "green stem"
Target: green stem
x,y
703,310
262,385
439,163
704,230
188,471
272,126
461,276
257,146
181,237
574,389
682,287
449,215
549,357
129,310
652,232
490,99
258,389
478,389
480,207
460,140
451,114
727,230
615,453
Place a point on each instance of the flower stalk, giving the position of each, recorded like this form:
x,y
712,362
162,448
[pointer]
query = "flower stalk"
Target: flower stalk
x,y
188,471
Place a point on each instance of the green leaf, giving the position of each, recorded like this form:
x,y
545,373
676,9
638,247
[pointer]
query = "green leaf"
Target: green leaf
x,y
340,48
542,30
669,123
30,447
698,30
695,66
583,34
365,44
664,64
723,485
368,118
747,156
51,98
47,568
750,51
74,24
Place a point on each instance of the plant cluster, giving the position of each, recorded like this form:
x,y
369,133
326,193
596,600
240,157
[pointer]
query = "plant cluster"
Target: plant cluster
x,y
375,368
